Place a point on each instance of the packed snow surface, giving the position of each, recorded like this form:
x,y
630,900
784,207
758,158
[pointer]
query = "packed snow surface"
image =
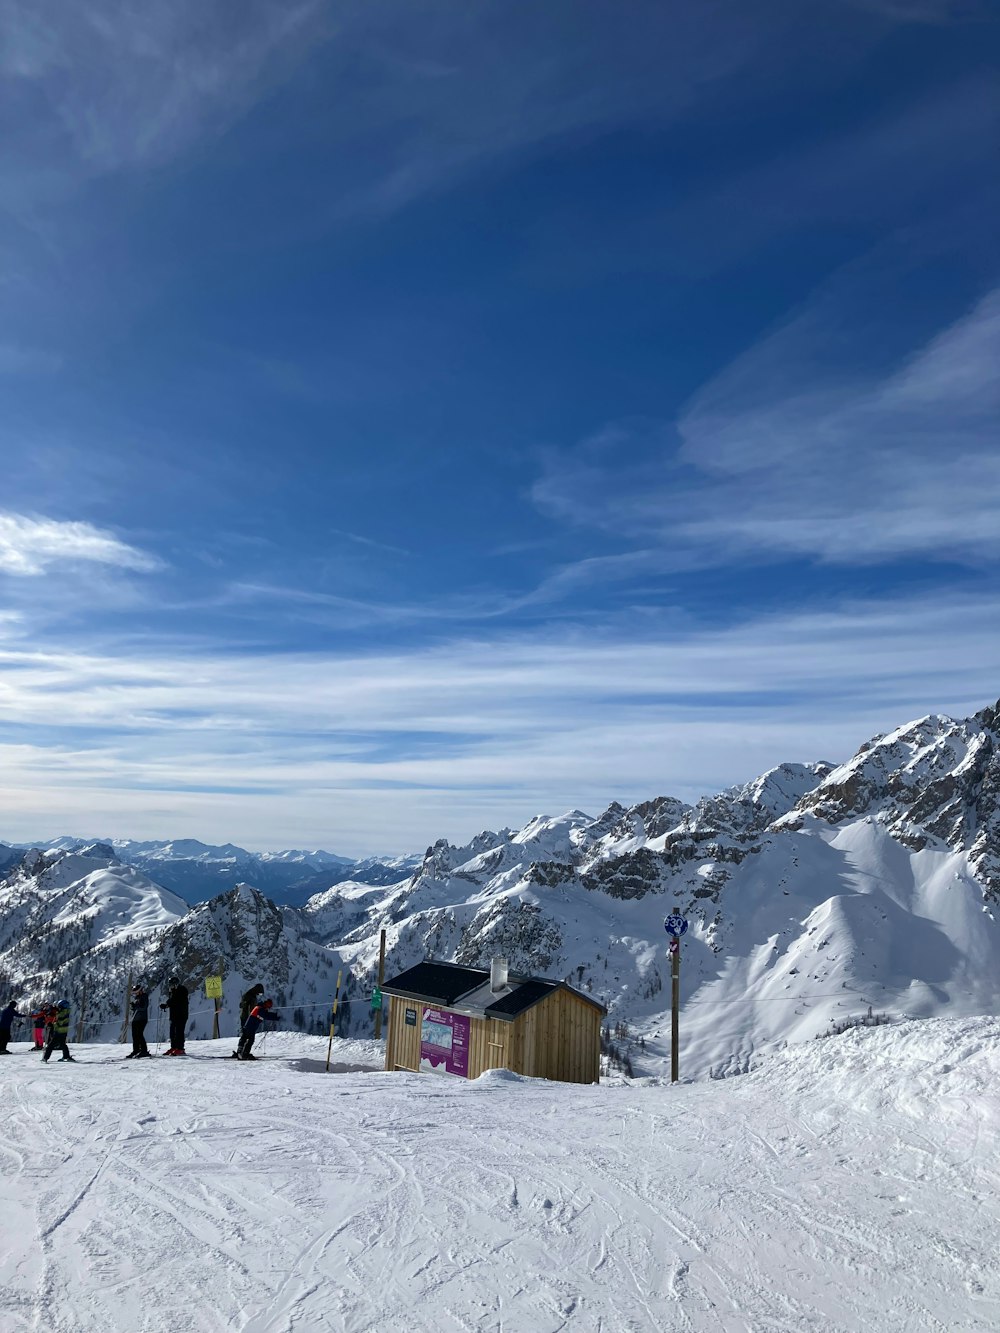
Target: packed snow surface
x,y
849,1184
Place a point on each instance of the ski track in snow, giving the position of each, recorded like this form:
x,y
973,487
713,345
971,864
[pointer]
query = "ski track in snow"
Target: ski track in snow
x,y
845,1186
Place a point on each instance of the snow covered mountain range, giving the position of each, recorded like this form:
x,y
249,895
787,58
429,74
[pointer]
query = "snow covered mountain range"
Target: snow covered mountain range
x,y
812,893
197,872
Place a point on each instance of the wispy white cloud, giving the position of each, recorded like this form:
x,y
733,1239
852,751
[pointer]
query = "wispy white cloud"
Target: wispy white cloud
x,y
119,84
564,583
418,92
360,540
395,748
784,455
32,546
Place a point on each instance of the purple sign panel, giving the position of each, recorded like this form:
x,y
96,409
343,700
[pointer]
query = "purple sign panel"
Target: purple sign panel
x,y
444,1043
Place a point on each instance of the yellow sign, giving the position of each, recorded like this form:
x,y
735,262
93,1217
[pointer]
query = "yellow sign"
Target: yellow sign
x,y
213,988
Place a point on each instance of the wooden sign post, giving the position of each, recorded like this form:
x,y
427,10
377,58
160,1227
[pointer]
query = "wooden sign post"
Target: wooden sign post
x,y
381,978
218,1004
333,1020
675,1009
675,926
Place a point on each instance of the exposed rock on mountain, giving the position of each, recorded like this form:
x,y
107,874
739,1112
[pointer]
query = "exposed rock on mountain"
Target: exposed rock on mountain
x,y
933,782
83,923
812,893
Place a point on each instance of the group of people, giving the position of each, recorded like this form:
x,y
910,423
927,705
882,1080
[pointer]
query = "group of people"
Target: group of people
x,y
50,1027
176,1006
50,1022
254,1012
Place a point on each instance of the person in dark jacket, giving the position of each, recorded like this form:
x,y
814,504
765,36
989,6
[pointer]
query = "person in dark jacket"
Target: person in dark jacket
x,y
140,1017
7,1015
177,1007
58,1031
256,1019
248,1000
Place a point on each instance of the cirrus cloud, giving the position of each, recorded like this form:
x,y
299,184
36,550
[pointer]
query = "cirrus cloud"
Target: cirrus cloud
x,y
31,546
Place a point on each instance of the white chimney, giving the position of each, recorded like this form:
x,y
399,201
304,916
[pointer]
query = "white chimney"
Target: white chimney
x,y
498,974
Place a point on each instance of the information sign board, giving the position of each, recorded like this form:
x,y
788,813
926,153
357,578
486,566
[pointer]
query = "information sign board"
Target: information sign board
x,y
444,1042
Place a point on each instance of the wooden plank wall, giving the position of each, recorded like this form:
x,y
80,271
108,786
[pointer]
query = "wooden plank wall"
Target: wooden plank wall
x,y
489,1045
402,1043
558,1038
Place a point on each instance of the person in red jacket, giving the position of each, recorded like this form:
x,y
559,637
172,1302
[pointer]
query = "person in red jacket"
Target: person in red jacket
x,y
256,1019
38,1021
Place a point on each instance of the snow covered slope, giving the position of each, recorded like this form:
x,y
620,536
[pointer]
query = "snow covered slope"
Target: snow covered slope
x,y
813,893
70,916
844,1186
83,924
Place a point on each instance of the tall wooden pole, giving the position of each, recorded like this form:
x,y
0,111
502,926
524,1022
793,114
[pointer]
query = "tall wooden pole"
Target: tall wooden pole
x,y
218,1006
381,978
333,1020
675,1009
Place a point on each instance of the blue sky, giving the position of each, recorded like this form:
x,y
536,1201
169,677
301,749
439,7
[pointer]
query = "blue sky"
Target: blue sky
x,y
417,416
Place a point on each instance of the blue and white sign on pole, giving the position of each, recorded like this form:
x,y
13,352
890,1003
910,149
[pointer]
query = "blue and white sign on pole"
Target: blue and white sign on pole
x,y
675,926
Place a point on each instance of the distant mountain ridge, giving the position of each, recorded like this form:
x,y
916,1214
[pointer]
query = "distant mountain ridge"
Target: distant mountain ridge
x,y
198,872
811,892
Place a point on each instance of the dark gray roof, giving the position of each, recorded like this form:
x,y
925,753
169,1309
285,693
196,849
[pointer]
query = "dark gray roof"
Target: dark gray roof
x,y
438,983
522,997
450,985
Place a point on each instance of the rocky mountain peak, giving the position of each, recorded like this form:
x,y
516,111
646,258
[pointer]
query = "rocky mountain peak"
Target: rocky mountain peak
x,y
934,780
989,717
806,888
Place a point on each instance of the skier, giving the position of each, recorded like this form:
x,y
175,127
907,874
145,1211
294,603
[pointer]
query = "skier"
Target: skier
x,y
58,1028
38,1027
7,1016
248,1000
258,1015
177,1004
140,1017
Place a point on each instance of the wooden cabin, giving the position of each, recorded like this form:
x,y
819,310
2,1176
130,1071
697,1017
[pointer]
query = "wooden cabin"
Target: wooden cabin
x,y
449,1019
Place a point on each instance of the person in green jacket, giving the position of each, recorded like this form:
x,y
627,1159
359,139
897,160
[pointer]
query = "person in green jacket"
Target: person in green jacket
x,y
58,1030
